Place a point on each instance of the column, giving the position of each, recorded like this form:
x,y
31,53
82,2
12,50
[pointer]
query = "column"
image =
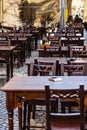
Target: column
x,y
62,13
85,8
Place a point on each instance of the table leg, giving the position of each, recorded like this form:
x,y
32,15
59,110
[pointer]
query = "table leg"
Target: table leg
x,y
20,111
10,119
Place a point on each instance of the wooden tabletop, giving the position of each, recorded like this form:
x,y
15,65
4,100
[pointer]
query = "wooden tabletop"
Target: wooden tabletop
x,y
79,60
50,59
3,48
2,39
54,59
31,87
19,39
28,35
37,83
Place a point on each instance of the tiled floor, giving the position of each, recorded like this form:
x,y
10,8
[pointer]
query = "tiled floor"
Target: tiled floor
x,y
3,111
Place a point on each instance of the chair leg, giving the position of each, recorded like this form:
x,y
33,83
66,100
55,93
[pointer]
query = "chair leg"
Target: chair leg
x,y
33,111
24,115
62,107
70,110
28,117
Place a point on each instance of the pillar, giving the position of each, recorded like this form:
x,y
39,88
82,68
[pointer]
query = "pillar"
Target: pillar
x,y
62,13
85,8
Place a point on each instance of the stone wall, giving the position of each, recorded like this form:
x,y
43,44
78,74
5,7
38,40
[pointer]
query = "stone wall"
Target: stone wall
x,y
11,13
85,8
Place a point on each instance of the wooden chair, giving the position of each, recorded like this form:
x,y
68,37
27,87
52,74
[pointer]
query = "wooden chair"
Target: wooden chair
x,y
66,121
51,52
72,70
72,40
54,42
78,51
39,69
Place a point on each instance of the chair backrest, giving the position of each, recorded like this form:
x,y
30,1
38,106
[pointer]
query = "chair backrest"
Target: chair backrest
x,y
42,69
55,64
77,94
74,69
51,52
77,47
54,43
78,51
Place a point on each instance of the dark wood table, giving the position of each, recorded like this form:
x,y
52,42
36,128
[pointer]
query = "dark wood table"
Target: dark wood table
x,y
31,87
8,50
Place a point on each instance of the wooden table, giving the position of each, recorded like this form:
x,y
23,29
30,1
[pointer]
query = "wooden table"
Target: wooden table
x,y
33,87
9,54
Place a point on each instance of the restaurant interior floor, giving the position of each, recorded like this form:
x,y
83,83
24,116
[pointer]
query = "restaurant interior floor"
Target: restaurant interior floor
x,y
3,111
